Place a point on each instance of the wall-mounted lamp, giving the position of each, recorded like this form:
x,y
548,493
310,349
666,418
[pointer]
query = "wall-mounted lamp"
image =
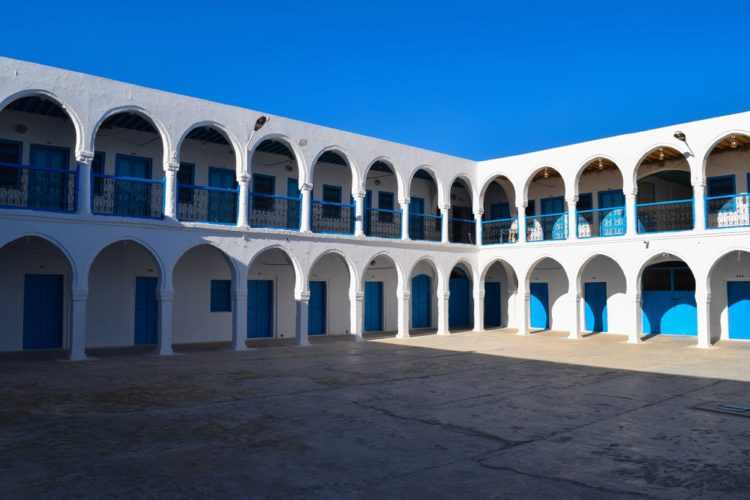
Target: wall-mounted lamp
x,y
260,122
680,136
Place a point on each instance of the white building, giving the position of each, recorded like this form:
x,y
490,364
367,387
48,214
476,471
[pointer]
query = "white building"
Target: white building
x,y
134,216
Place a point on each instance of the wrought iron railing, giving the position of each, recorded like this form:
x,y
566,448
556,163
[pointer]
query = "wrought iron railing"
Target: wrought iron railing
x,y
601,223
727,211
664,216
500,231
462,231
127,196
425,227
329,217
275,212
207,204
547,227
382,223
36,188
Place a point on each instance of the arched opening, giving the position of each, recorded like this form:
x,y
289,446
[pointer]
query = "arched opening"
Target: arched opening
x,y
602,285
381,304
37,156
600,210
329,309
462,227
729,283
35,305
546,212
728,183
270,296
500,218
424,216
382,213
123,301
500,284
548,288
460,301
202,307
128,170
424,286
668,298
206,180
665,193
333,205
275,197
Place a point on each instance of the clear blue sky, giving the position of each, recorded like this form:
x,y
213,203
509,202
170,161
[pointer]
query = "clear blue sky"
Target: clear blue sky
x,y
473,79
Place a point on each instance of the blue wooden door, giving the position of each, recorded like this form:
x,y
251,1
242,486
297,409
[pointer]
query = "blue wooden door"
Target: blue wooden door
x,y
499,211
492,305
222,206
612,222
738,295
42,311
670,312
539,305
595,297
293,210
259,309
316,318
554,226
146,311
416,224
132,198
459,301
373,306
367,213
421,309
48,190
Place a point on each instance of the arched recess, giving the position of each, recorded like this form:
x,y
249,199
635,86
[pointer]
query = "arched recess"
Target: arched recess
x,y
729,289
382,214
665,192
333,178
548,287
277,176
500,293
35,304
601,200
462,227
123,302
727,182
500,217
203,280
461,299
36,131
668,303
602,285
546,209
381,281
424,212
425,283
272,282
332,281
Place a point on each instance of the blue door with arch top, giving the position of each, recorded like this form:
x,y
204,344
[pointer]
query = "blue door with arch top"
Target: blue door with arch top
x,y
738,295
421,310
316,317
146,311
539,305
612,221
48,190
373,306
668,296
459,301
492,305
42,311
293,212
595,298
416,224
259,309
554,226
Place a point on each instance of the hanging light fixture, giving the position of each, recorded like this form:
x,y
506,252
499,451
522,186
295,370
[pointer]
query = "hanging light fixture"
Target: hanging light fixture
x,y
661,154
545,174
733,141
601,164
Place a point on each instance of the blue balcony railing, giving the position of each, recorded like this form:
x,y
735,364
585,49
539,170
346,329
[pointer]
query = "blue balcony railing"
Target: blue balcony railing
x,y
127,196
547,227
601,223
207,204
499,231
462,231
276,212
727,211
664,216
382,223
35,188
329,217
425,227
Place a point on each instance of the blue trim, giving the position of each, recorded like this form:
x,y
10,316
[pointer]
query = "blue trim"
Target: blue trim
x,y
221,295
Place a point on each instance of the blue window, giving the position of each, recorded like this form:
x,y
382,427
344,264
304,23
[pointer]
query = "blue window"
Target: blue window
x,y
499,211
97,167
263,184
531,209
185,177
10,152
331,194
385,202
585,202
720,186
221,297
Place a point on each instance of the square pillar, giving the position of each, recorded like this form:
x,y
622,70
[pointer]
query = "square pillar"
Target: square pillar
x,y
442,328
478,307
300,331
170,190
631,215
166,301
699,207
575,325
239,318
357,316
79,299
572,220
444,223
306,210
478,231
85,182
243,203
404,315
521,216
405,220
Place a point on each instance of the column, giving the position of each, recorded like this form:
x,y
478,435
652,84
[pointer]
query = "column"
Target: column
x,y
239,317
522,308
306,213
166,299
78,325
635,322
573,218
404,218
170,190
521,211
478,307
699,206
359,208
478,217
300,332
703,303
575,324
444,223
443,328
631,222
357,316
84,159
243,201
404,316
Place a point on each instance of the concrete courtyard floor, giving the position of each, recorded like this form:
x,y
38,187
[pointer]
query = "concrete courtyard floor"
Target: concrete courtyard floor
x,y
471,415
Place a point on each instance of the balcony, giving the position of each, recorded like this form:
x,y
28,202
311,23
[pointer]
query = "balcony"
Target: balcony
x,y
275,212
383,223
330,217
601,223
500,231
127,196
665,216
425,227
547,227
207,204
35,188
462,231
727,211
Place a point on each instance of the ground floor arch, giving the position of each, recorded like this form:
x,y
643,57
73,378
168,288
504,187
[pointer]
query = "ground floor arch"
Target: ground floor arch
x,y
423,282
271,282
602,286
729,307
460,300
668,304
329,308
380,286
548,288
500,286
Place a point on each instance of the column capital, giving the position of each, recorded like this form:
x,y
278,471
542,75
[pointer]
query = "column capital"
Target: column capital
x,y
631,195
480,295
359,296
304,297
306,187
359,195
521,206
404,201
172,166
445,208
165,295
86,157
244,178
79,295
572,201
445,295
478,214
404,295
239,294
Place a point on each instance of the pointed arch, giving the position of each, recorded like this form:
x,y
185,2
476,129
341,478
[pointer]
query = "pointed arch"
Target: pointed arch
x,y
231,139
161,130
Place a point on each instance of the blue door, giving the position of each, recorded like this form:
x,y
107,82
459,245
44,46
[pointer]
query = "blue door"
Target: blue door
x,y
554,226
416,224
612,222
132,198
421,310
459,302
738,295
492,305
293,211
539,305
499,211
222,206
367,213
669,300
259,309
146,311
42,311
373,306
316,318
595,296
48,190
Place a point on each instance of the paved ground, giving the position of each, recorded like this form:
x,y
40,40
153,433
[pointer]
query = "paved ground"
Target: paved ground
x,y
468,416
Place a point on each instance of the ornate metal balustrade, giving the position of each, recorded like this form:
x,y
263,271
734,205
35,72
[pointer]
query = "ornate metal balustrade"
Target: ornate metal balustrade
x,y
499,231
547,227
462,231
425,227
727,211
207,204
382,223
329,217
601,223
35,188
664,216
127,196
276,212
